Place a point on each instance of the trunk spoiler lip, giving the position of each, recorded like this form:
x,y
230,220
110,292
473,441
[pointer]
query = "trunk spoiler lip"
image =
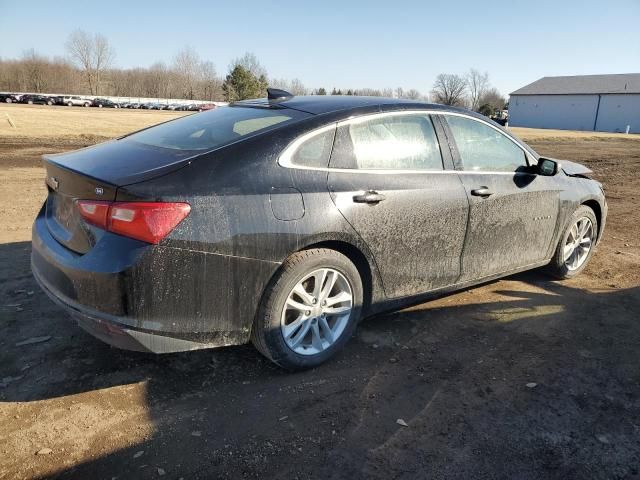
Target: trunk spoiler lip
x,y
122,180
48,159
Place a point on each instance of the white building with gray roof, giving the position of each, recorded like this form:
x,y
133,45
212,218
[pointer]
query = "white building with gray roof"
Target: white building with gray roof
x,y
602,103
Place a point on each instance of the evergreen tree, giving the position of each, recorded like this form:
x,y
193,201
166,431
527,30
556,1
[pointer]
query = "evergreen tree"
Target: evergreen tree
x,y
241,84
321,91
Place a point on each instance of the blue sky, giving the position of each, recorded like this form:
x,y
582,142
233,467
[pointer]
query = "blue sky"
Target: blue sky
x,y
349,44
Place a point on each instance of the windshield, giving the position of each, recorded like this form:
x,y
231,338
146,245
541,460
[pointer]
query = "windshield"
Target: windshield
x,y
214,128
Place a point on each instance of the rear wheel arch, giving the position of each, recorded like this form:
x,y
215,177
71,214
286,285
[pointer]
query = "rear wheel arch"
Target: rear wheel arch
x,y
358,258
349,250
265,329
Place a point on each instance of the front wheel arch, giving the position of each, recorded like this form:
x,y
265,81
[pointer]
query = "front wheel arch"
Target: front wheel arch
x,y
597,210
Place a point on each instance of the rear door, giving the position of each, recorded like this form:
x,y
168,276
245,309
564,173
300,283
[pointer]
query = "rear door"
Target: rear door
x,y
387,177
512,211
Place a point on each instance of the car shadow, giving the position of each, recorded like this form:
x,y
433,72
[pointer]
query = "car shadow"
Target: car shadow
x,y
455,371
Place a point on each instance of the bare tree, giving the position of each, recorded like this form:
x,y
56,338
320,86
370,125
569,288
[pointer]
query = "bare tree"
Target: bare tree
x,y
413,94
250,63
211,84
448,89
477,84
35,71
92,54
491,100
186,65
297,87
156,80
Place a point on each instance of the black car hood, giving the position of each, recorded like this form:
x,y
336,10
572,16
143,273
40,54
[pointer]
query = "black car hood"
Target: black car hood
x,y
122,162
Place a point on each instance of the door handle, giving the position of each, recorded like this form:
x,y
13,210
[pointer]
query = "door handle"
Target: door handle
x,y
370,196
483,192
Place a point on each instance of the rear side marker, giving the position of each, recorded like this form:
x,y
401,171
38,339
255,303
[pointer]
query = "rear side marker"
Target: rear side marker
x,y
146,221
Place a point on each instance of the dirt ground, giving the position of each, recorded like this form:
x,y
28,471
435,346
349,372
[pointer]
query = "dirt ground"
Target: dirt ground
x,y
522,378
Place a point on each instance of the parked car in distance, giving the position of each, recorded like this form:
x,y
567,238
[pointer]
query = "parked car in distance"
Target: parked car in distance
x,y
9,98
36,100
203,107
75,100
284,221
103,102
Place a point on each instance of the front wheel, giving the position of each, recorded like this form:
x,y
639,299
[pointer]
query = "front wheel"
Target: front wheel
x,y
309,310
576,244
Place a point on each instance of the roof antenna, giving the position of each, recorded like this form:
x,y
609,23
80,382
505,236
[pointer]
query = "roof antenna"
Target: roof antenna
x,y
277,95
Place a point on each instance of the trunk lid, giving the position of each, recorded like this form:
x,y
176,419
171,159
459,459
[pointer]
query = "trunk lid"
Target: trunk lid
x,y
95,173
63,219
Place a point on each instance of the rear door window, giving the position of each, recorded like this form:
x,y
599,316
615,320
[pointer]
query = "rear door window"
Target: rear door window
x,y
214,128
390,142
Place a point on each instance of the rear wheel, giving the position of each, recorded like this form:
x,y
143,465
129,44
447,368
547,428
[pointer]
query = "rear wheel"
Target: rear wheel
x,y
86,104
69,104
576,244
310,309
30,102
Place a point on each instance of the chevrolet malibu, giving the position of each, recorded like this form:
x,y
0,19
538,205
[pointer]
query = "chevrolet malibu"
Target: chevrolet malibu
x,y
284,221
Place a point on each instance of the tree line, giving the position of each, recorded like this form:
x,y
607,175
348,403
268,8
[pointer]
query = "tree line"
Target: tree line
x,y
88,68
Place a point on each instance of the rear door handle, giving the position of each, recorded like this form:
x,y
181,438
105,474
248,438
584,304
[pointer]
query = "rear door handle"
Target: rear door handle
x,y
370,196
483,192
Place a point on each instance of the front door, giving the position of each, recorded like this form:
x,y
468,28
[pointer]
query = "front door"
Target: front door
x,y
512,212
388,180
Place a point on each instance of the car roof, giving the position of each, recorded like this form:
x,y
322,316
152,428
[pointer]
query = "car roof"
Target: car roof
x,y
321,104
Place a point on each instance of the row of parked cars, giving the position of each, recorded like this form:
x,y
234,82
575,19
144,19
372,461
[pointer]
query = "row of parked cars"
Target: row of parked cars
x,y
78,101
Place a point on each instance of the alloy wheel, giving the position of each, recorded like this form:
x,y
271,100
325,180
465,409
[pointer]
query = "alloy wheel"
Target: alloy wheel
x,y
317,311
578,244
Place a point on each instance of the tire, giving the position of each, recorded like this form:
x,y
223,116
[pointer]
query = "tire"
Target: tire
x,y
564,267
86,104
8,100
30,102
267,334
100,106
49,103
69,104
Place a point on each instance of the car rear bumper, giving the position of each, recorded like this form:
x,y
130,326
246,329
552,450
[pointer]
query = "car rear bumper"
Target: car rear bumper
x,y
111,330
151,298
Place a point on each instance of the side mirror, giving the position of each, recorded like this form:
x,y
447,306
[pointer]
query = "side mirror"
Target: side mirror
x,y
547,167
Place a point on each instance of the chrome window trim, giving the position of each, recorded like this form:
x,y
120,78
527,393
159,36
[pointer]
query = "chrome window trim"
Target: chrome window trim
x,y
285,159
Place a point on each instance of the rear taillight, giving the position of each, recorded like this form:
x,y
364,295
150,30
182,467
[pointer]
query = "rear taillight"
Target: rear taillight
x,y
146,221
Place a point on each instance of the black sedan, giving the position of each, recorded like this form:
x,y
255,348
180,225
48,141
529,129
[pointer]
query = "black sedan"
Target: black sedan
x,y
284,221
9,98
37,99
104,103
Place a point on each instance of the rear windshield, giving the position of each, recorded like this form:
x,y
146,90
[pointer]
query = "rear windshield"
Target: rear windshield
x,y
214,128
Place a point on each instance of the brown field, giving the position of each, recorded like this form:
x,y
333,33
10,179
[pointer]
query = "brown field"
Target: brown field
x,y
454,369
